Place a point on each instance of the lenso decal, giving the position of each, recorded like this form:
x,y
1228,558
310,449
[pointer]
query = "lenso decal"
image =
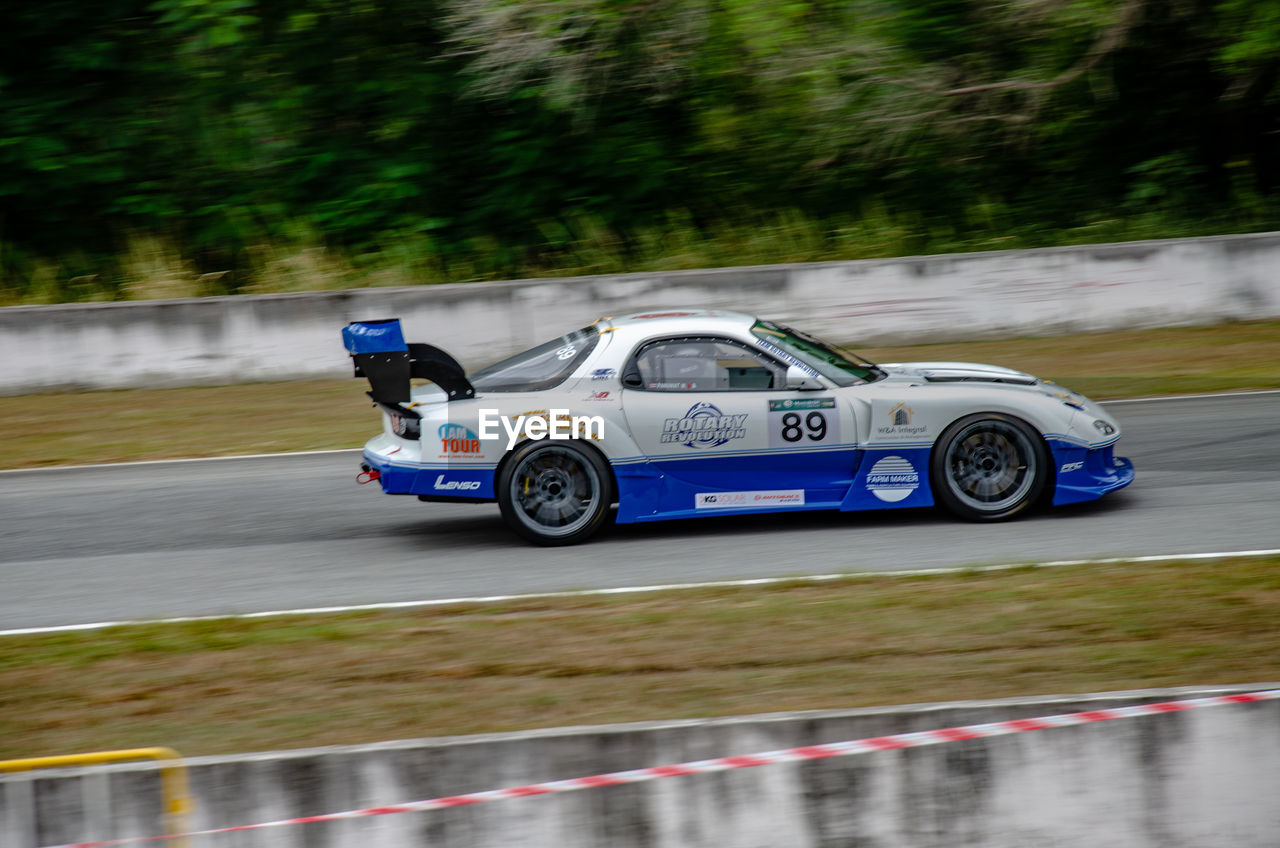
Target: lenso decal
x,y
603,374
738,500
703,426
893,479
443,485
786,357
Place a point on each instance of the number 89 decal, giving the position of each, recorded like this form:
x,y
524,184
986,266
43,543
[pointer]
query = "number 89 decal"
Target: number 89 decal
x,y
803,421
815,427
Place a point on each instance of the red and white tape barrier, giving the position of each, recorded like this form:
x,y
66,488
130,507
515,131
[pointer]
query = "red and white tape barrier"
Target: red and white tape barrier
x,y
789,755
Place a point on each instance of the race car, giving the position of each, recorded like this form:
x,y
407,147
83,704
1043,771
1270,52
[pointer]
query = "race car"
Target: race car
x,y
694,412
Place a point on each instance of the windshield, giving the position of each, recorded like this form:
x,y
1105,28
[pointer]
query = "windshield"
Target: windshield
x,y
841,368
542,367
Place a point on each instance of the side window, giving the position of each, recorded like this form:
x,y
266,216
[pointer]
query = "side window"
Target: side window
x,y
702,365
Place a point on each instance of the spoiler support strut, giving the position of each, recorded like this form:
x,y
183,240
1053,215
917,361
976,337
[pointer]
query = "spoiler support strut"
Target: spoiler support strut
x,y
380,355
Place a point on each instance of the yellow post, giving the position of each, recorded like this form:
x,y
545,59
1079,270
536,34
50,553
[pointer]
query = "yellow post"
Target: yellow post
x,y
173,777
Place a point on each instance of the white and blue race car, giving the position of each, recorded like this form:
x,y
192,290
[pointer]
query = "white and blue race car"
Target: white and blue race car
x,y
697,412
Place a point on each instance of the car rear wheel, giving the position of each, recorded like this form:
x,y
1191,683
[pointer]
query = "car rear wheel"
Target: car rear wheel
x,y
989,466
555,492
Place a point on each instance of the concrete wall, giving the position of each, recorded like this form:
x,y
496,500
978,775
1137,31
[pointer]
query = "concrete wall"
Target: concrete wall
x,y
1207,777
933,298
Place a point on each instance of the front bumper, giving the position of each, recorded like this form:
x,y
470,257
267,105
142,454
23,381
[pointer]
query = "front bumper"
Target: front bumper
x,y
1088,473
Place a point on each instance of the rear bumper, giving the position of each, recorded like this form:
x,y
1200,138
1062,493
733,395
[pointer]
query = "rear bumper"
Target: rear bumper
x,y
394,479
445,483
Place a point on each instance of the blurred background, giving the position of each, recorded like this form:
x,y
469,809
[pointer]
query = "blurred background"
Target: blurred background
x,y
173,148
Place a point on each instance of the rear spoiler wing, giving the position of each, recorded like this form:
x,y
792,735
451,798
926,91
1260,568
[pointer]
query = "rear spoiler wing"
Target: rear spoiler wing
x,y
380,355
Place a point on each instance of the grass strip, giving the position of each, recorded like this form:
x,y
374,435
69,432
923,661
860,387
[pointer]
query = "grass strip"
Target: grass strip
x,y
239,685
120,426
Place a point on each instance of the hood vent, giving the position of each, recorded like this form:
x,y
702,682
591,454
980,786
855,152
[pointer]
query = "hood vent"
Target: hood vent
x,y
979,378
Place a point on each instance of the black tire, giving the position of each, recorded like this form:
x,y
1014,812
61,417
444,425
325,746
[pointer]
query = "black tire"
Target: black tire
x,y
555,492
988,467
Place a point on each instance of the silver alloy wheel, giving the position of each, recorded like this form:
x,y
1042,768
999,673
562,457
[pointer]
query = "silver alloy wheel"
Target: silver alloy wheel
x,y
991,466
555,492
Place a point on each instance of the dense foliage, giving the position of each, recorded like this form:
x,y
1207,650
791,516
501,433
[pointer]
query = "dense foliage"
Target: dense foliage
x,y
152,147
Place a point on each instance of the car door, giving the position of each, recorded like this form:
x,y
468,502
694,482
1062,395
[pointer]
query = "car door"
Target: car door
x,y
714,417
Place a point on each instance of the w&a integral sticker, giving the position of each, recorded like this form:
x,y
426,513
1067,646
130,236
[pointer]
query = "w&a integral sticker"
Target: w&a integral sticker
x,y
897,422
703,426
892,479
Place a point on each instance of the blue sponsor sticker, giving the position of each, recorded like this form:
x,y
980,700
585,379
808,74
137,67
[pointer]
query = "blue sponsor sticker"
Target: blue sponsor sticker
x,y
703,426
786,357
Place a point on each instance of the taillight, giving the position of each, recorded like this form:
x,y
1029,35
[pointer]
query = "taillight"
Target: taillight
x,y
405,426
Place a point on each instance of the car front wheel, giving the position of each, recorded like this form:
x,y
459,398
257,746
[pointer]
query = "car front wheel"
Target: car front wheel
x,y
555,492
989,466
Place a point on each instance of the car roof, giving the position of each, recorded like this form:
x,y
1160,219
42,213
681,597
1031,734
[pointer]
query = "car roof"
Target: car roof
x,y
678,321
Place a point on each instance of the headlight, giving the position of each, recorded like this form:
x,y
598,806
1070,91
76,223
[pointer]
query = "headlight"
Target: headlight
x,y
1104,427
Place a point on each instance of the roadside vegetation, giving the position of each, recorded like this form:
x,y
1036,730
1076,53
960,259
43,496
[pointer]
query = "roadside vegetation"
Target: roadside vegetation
x,y
167,148
240,685
117,426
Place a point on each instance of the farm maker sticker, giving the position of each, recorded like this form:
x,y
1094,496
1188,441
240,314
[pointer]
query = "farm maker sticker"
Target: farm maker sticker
x,y
893,479
703,426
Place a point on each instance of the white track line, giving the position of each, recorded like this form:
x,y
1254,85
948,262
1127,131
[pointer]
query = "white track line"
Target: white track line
x,y
630,590
358,450
1191,397
178,461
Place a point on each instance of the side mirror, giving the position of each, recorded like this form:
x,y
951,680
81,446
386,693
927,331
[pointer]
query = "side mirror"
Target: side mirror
x,y
801,380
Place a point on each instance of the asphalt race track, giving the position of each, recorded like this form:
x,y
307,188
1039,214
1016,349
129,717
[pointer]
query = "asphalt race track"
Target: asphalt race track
x,y
245,535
